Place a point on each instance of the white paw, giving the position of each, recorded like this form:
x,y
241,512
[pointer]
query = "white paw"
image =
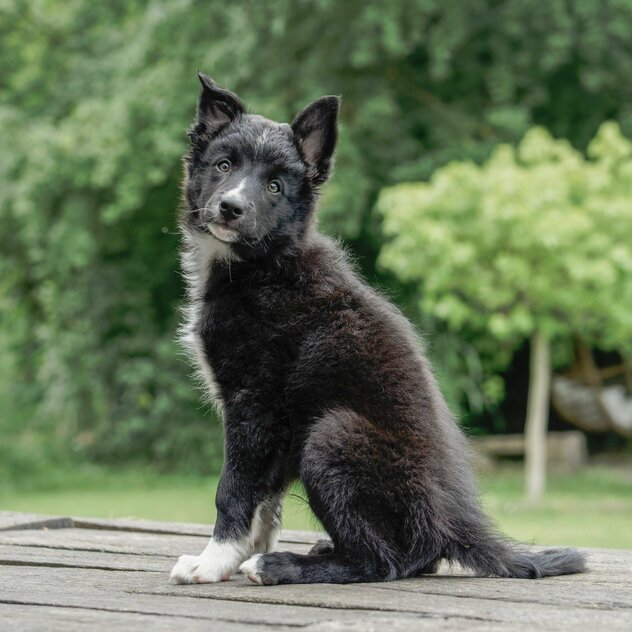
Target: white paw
x,y
198,569
250,568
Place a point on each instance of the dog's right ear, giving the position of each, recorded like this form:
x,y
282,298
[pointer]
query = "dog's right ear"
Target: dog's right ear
x,y
216,108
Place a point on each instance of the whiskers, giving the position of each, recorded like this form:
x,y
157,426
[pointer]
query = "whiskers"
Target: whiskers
x,y
262,243
266,241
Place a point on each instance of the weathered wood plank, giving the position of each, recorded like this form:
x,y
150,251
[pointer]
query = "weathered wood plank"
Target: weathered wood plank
x,y
63,619
549,591
115,592
132,543
66,558
614,566
12,520
150,592
23,521
144,526
181,528
605,565
67,577
365,597
407,623
586,590
107,560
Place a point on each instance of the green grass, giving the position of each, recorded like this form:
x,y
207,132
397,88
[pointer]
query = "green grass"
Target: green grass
x,y
88,490
592,508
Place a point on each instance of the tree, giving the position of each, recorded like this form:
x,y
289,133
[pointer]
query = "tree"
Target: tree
x,y
94,102
535,243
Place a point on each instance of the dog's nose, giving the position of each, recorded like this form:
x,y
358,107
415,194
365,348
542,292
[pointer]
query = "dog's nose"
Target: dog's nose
x,y
229,209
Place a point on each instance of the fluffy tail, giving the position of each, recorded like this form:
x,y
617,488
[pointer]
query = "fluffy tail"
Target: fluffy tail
x,y
494,556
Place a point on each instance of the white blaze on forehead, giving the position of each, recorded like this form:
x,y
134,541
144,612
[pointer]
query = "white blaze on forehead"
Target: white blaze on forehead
x,y
263,137
235,193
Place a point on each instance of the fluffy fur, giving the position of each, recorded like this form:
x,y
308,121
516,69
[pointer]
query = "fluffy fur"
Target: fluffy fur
x,y
318,376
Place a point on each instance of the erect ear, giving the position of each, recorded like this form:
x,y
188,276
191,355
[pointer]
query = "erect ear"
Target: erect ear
x,y
216,108
316,132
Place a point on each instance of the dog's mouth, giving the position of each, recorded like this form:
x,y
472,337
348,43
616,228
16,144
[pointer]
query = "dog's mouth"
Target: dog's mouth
x,y
222,232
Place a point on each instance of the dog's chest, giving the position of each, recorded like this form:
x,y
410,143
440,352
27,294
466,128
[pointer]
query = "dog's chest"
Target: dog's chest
x,y
197,265
238,337
243,325
193,339
241,337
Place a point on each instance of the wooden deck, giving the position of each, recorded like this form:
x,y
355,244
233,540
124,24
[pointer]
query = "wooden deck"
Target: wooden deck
x,y
61,573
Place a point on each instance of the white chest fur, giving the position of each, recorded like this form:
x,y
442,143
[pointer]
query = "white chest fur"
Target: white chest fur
x,y
197,259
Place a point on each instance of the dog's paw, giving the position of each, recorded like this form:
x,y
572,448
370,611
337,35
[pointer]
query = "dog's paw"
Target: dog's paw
x,y
270,569
251,568
322,547
198,569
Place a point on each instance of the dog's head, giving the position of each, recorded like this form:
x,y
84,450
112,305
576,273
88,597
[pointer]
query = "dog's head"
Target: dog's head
x,y
250,182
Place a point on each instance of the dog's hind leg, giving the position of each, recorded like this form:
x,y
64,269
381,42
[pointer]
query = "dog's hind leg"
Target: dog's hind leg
x,y
356,484
432,568
293,568
321,547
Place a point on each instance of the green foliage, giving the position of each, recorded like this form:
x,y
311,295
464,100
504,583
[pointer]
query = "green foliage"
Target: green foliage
x,y
94,101
537,238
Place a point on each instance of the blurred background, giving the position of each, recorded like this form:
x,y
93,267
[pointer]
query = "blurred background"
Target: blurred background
x,y
483,181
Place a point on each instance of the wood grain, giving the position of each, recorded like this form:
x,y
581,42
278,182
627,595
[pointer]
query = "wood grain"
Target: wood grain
x,y
70,573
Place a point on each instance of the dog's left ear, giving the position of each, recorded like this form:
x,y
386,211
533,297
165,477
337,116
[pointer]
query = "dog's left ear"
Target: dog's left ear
x,y
316,132
217,107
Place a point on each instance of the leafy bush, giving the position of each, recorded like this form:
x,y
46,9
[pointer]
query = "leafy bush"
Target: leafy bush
x,y
536,239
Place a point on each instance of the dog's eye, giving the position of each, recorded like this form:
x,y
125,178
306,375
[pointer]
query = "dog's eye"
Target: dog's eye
x,y
223,166
274,186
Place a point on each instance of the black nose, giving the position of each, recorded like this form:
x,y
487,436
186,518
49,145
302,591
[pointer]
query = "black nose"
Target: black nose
x,y
230,210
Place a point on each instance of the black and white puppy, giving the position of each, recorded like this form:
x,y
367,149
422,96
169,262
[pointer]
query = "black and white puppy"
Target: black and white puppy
x,y
318,377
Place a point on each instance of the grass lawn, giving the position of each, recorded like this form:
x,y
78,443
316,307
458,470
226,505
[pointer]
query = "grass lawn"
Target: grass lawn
x,y
593,508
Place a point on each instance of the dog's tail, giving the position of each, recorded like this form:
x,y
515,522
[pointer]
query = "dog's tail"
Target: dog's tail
x,y
494,555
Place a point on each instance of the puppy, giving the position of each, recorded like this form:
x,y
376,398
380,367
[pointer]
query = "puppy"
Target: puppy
x,y
319,378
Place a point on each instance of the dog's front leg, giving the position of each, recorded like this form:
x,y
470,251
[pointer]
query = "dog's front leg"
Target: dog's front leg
x,y
248,505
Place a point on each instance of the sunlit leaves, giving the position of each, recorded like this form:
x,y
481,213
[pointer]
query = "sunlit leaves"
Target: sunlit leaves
x,y
536,238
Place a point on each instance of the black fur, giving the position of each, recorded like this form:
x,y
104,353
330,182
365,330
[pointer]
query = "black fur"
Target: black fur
x,y
319,377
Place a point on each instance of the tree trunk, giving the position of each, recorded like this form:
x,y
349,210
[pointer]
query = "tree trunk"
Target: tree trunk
x,y
537,416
